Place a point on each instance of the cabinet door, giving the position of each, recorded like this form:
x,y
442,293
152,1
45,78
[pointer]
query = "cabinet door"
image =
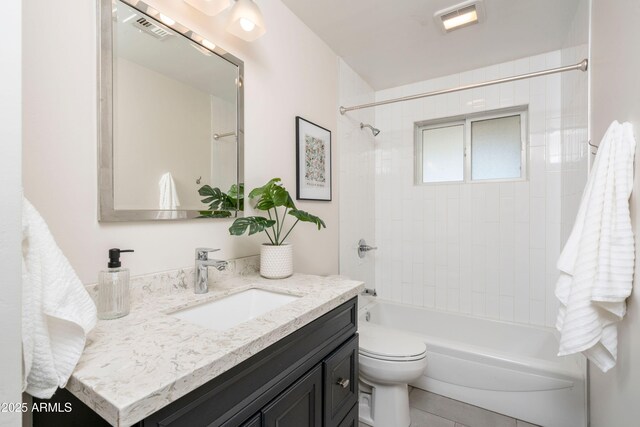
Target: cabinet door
x,y
299,406
341,382
351,420
255,421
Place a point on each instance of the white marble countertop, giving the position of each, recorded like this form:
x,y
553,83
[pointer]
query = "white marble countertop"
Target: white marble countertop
x,y
133,366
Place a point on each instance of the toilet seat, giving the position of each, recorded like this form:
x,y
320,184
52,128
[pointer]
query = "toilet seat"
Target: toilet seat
x,y
391,345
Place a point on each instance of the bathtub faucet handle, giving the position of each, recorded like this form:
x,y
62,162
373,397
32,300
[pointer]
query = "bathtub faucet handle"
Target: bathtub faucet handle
x,y
363,248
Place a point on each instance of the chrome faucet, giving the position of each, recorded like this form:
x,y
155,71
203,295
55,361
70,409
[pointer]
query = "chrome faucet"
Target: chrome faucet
x,y
201,284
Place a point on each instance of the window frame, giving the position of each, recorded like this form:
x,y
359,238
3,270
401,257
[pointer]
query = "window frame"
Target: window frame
x,y
466,121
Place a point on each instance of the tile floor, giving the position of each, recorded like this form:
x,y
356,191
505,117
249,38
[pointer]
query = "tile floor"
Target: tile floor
x,y
433,410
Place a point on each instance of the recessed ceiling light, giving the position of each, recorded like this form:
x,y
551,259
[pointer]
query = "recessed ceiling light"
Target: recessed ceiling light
x,y
460,16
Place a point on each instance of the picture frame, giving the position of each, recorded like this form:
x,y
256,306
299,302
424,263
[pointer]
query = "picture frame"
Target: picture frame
x,y
313,161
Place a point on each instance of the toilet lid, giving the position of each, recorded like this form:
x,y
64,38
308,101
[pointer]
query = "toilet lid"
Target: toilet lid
x,y
388,344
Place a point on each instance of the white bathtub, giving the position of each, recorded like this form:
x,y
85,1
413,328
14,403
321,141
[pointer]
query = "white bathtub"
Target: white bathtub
x,y
504,367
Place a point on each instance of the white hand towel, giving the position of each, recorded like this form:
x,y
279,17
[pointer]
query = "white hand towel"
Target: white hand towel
x,y
169,201
597,262
57,311
168,195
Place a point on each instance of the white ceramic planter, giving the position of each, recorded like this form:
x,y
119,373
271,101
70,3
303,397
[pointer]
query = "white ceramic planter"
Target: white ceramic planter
x,y
276,262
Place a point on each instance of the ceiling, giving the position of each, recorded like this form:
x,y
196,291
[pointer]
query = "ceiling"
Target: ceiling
x,y
175,57
396,42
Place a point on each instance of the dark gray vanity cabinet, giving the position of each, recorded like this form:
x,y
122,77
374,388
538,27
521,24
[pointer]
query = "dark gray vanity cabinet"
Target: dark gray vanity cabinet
x,y
300,405
309,378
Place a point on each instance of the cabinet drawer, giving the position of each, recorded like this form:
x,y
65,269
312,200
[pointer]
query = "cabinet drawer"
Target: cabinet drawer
x,y
341,382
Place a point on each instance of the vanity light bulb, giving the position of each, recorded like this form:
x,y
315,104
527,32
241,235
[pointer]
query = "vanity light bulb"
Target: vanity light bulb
x,y
206,43
245,20
167,20
247,25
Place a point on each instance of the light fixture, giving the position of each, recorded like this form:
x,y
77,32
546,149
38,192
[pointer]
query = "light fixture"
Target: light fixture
x,y
246,21
209,7
459,16
206,43
166,20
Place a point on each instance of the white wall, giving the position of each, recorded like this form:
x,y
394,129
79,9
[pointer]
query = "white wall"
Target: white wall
x,y
166,124
288,72
575,119
357,177
615,66
487,249
10,214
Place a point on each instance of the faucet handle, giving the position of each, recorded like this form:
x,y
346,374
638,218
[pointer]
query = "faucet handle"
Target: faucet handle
x,y
202,254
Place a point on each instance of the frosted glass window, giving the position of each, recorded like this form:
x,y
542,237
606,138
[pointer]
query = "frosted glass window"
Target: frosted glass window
x,y
443,154
496,148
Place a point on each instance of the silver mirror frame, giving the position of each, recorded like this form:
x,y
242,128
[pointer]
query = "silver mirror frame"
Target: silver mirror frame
x,y
106,211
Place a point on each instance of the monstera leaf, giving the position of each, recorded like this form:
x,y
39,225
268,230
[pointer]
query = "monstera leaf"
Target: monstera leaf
x,y
214,197
222,205
307,217
272,195
236,196
255,224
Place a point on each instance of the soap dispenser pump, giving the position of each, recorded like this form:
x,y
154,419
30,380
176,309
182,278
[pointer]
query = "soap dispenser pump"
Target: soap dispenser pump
x,y
113,287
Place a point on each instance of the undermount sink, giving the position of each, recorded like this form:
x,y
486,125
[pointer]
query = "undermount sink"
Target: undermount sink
x,y
230,311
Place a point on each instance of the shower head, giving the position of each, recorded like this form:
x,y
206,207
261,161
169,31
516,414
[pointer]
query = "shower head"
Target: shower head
x,y
374,131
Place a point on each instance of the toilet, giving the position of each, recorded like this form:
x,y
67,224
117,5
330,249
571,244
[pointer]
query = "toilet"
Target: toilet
x,y
389,361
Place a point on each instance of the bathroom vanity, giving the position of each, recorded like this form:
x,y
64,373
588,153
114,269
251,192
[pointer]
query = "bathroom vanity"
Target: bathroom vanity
x,y
296,365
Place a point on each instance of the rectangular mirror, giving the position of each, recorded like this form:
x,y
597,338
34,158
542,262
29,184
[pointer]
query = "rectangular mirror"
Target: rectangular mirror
x,y
171,116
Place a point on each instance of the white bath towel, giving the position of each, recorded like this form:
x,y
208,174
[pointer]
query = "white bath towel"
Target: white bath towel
x,y
168,195
596,264
57,311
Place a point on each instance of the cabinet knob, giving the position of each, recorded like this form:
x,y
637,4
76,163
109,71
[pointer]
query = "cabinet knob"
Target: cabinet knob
x,y
342,382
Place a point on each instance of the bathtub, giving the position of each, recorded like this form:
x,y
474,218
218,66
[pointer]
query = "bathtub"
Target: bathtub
x,y
504,367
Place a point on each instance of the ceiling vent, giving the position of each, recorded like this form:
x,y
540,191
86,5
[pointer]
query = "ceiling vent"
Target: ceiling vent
x,y
461,15
150,28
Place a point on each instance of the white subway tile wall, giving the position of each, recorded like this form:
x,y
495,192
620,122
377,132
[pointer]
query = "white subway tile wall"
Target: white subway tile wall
x,y
574,124
357,177
486,249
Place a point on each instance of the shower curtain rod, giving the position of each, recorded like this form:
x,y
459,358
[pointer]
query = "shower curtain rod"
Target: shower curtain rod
x,y
582,66
217,136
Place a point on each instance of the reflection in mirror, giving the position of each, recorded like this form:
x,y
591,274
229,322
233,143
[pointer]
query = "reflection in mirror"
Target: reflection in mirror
x,y
221,204
175,113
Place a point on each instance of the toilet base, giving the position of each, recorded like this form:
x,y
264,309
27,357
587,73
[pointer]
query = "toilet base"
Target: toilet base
x,y
386,406
364,408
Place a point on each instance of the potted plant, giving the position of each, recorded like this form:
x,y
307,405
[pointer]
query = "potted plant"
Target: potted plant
x,y
276,257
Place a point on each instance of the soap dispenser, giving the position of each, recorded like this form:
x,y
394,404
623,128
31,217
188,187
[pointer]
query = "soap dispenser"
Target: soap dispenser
x,y
113,287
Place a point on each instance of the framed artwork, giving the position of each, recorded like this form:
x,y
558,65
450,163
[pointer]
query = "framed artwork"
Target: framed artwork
x,y
313,161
